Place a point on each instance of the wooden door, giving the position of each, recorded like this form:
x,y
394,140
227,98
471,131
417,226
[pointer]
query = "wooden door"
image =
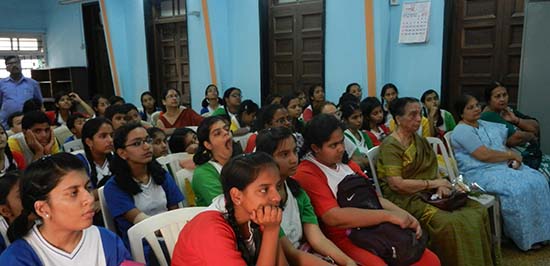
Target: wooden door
x,y
170,48
486,41
296,44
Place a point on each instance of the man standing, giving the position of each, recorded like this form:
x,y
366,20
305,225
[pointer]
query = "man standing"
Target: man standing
x,y
16,89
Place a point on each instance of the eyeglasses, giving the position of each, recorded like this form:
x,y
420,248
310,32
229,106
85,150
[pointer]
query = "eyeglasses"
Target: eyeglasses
x,y
283,120
140,142
236,95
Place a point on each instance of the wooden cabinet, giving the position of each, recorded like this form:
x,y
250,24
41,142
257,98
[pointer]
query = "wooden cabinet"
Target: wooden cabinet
x,y
53,80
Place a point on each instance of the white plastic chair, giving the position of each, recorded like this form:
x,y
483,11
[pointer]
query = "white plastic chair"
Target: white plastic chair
x,y
74,145
169,224
437,144
181,177
108,219
155,118
447,138
62,133
372,156
171,161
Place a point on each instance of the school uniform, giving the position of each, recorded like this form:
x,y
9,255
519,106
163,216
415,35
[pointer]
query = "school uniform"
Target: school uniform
x,y
4,241
98,246
153,199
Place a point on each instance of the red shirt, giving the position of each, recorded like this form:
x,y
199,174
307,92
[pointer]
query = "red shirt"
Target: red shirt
x,y
314,182
207,240
187,117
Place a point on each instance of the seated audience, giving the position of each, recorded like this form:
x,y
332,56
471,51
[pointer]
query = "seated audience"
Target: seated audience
x,y
10,205
215,149
292,104
373,120
407,165
116,100
523,131
75,123
302,98
14,123
232,102
139,187
324,166
33,105
149,105
245,118
356,141
299,223
9,161
355,90
183,140
174,115
65,105
316,98
56,190
347,97
328,108
133,116
441,120
99,104
247,233
160,142
387,95
97,139
36,140
273,98
211,101
117,115
483,158
272,115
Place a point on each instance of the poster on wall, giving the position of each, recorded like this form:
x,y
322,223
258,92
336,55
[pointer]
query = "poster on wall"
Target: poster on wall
x,y
415,18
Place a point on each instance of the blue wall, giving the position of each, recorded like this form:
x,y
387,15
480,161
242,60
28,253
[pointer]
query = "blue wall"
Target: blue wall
x,y
65,34
415,68
345,47
14,10
127,30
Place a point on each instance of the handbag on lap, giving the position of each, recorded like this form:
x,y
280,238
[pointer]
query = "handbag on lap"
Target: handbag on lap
x,y
395,245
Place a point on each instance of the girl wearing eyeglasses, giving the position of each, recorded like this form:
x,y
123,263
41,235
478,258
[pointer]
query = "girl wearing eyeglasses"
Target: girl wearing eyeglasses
x,y
139,187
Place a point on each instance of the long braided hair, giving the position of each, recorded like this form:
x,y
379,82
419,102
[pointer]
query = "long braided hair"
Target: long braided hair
x,y
238,173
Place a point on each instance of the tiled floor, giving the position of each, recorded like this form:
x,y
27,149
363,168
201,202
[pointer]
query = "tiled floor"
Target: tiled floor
x,y
512,256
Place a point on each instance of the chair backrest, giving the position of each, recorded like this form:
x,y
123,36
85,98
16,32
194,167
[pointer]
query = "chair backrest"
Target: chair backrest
x,y
62,133
108,219
372,156
438,145
168,223
184,177
155,118
447,138
73,145
171,162
243,140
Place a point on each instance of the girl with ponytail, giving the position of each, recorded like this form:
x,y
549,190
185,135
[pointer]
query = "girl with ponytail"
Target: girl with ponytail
x,y
56,189
299,222
247,232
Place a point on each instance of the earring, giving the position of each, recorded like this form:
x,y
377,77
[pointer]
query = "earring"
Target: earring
x,y
47,215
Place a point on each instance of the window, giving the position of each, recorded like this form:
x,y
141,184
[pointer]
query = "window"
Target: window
x,y
29,47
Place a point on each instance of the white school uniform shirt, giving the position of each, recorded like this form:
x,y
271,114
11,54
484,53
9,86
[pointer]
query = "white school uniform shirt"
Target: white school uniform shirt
x,y
352,144
4,230
89,251
292,223
152,199
334,176
102,170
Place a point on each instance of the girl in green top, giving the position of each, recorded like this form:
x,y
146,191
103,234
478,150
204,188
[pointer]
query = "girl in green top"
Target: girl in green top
x,y
441,120
299,223
356,141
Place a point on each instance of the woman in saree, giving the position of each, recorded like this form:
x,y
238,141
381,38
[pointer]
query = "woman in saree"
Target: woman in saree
x,y
483,158
407,165
523,131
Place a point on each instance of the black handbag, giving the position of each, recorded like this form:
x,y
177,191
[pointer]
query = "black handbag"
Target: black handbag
x,y
395,245
452,202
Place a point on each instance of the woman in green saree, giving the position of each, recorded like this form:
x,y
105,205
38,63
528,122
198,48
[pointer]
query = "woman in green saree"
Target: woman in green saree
x,y
407,165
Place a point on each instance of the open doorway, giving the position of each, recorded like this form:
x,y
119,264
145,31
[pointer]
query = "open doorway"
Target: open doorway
x,y
99,69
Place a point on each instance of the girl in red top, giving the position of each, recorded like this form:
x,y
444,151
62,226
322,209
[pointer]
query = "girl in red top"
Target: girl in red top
x,y
319,173
252,216
373,120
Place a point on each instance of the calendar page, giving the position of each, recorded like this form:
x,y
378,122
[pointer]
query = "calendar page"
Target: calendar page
x,y
415,18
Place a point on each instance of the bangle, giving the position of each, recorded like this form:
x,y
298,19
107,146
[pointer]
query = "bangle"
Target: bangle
x,y
427,184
